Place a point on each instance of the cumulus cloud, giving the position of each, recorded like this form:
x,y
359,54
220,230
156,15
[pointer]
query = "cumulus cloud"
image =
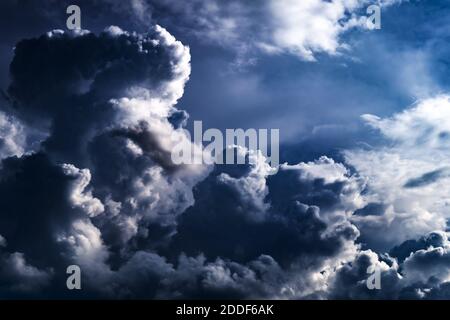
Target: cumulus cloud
x,y
239,248
323,182
422,275
110,111
310,27
300,223
350,280
429,265
151,275
304,28
103,175
101,191
305,244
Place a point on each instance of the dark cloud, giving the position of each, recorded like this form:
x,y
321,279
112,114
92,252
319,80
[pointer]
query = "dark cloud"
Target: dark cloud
x,y
216,231
45,212
427,178
244,226
296,184
404,250
350,280
104,103
18,279
441,292
74,77
372,209
418,271
39,203
106,100
149,275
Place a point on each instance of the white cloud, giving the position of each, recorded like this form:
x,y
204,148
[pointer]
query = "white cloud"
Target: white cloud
x,y
309,26
79,197
86,249
409,174
429,263
12,137
252,187
323,168
302,28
